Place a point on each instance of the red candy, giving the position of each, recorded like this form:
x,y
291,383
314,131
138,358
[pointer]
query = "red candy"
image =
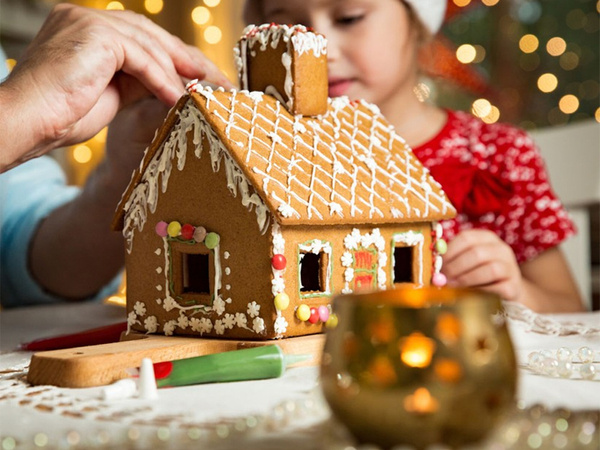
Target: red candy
x,y
314,315
278,261
187,232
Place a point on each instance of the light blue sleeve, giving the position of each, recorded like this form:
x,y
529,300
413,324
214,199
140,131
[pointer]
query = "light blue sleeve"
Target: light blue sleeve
x,y
28,193
3,66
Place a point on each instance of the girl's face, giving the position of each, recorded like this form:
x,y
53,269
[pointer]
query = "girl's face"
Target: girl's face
x,y
371,44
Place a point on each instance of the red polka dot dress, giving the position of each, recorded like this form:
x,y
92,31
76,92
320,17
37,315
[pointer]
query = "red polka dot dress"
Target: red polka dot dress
x,y
496,178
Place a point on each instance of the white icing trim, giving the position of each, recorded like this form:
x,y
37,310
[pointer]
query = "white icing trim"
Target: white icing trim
x,y
317,246
356,240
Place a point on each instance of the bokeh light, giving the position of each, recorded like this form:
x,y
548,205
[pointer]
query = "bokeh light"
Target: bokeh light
x,y
568,104
556,46
82,154
153,6
529,43
213,34
481,107
200,15
212,3
547,82
569,60
466,53
115,6
597,115
490,2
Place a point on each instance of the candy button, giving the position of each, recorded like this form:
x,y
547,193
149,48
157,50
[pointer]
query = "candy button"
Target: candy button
x,y
199,234
332,321
282,301
174,228
323,313
439,279
161,228
314,315
278,261
212,240
441,247
303,313
187,232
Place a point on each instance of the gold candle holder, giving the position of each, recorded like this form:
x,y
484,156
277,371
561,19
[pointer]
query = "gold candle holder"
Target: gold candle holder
x,y
419,366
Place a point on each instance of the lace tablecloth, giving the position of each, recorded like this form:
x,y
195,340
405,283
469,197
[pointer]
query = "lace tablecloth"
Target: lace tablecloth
x,y
286,412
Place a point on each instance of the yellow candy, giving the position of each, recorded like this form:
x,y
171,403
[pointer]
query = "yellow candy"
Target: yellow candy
x,y
282,301
303,312
174,229
332,321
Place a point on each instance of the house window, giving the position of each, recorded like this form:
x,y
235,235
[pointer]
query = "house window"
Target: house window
x,y
195,273
192,273
314,268
403,264
313,272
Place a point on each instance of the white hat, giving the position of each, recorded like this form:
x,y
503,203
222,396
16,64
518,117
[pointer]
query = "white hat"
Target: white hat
x,y
430,12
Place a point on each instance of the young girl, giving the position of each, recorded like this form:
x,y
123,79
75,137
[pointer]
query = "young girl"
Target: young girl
x,y
505,236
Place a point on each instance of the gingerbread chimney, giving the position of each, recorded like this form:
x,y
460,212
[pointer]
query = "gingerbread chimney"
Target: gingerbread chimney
x,y
287,62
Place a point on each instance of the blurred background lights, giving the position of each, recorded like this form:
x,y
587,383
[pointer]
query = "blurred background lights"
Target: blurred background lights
x,y
529,11
547,82
153,6
82,154
529,43
489,2
115,5
481,107
422,91
462,3
201,15
213,34
212,3
466,53
556,46
569,60
568,104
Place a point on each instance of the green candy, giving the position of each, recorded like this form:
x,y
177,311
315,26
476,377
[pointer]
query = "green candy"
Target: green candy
x,y
212,240
441,247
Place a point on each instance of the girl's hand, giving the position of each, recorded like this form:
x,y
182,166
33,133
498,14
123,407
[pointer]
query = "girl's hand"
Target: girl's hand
x,y
480,259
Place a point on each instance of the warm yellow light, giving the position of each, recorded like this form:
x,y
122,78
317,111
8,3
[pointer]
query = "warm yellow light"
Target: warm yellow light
x,y
212,3
466,53
11,63
416,350
200,15
115,5
556,46
422,92
493,116
568,104
569,60
479,53
101,136
481,107
82,154
547,82
529,43
421,402
597,115
213,34
461,3
153,6
490,2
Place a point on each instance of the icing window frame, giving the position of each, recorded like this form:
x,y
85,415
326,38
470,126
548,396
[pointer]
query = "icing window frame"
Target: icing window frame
x,y
179,271
322,252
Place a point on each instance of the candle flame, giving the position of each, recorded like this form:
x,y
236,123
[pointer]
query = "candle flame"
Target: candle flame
x,y
416,350
421,402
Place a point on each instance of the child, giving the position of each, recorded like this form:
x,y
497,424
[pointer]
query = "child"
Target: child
x,y
505,236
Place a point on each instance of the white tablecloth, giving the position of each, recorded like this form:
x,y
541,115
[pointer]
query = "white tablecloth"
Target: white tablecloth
x,y
287,412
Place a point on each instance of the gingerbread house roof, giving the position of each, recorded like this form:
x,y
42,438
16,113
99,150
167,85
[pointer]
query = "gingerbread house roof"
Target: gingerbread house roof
x,y
345,167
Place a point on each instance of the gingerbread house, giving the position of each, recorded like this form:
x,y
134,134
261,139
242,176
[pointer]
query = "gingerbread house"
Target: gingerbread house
x,y
253,207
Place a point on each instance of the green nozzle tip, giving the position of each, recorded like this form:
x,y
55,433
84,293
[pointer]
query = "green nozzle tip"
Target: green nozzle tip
x,y
293,359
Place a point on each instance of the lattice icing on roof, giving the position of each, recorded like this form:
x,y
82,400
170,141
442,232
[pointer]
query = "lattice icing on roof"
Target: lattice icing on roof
x,y
346,166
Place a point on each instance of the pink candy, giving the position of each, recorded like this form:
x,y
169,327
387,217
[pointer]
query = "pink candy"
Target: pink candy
x,y
439,279
161,228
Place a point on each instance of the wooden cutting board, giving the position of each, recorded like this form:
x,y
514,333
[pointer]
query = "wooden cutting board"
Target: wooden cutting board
x,y
99,365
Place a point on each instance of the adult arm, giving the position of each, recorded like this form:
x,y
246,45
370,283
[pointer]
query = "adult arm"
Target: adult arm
x,y
84,66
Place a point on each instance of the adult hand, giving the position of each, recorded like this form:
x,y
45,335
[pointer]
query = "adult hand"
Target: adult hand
x,y
480,259
82,67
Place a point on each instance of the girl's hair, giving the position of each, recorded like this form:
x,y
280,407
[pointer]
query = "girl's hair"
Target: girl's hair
x,y
254,14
